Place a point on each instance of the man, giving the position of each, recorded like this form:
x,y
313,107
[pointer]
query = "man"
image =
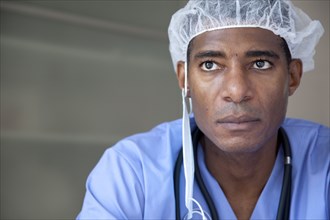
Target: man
x,y
237,62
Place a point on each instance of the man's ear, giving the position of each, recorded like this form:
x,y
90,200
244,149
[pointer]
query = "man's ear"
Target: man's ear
x,y
180,74
295,70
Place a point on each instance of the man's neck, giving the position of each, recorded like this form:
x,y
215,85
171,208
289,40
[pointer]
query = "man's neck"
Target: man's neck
x,y
241,176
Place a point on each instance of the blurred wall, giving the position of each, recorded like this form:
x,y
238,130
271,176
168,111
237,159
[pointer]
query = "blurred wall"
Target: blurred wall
x,y
76,76
311,101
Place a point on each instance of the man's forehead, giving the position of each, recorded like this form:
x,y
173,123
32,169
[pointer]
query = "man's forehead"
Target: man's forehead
x,y
249,37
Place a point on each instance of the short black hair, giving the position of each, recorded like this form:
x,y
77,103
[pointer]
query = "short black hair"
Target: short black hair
x,y
286,49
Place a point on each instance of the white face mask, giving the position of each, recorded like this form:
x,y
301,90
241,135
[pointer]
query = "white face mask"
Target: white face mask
x,y
188,154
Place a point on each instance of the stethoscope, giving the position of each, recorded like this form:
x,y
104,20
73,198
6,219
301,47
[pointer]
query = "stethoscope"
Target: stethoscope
x,y
283,210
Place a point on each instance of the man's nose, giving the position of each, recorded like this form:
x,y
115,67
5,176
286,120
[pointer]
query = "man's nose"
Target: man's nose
x,y
236,86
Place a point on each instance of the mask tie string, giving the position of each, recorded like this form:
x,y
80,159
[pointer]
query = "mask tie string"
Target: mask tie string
x,y
188,154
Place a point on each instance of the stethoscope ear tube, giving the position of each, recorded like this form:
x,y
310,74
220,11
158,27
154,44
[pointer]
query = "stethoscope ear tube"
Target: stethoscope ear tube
x,y
213,211
285,199
176,177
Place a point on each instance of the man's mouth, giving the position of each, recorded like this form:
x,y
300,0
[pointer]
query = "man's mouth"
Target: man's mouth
x,y
238,122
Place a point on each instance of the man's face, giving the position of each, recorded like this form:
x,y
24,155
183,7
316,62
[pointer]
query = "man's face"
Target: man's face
x,y
239,81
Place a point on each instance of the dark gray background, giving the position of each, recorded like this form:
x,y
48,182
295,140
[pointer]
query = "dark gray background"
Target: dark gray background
x,y
78,75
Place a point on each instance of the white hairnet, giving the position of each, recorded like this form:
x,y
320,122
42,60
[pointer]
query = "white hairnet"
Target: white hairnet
x,y
279,16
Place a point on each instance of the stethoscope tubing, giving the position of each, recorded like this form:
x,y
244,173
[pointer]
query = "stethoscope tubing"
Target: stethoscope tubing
x,y
283,212
213,211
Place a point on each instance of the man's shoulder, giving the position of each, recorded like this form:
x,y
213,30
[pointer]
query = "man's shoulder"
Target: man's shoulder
x,y
306,132
302,124
166,131
164,139
308,140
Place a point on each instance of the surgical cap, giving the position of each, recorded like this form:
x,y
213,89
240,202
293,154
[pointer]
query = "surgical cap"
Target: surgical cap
x,y
279,16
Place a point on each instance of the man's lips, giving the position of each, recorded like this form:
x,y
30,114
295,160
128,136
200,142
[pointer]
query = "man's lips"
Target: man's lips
x,y
238,123
237,119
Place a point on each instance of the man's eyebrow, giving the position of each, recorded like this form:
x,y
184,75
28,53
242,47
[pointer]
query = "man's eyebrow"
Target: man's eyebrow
x,y
210,53
262,53
252,53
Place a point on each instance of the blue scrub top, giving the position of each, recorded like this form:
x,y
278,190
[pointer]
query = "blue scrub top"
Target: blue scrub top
x,y
134,178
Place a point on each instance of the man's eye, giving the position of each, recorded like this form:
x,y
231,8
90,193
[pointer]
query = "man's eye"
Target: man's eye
x,y
209,66
262,65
